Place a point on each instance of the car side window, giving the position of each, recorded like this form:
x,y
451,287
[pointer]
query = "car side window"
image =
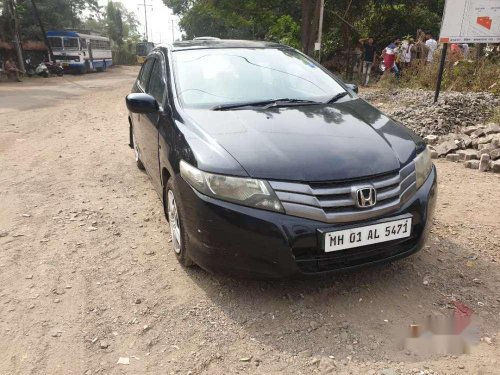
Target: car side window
x,y
156,86
145,73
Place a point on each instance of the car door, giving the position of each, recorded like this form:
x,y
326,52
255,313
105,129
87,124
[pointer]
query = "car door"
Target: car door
x,y
138,119
155,88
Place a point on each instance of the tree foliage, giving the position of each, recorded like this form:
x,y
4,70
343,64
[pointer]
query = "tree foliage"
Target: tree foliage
x,y
296,22
55,14
113,21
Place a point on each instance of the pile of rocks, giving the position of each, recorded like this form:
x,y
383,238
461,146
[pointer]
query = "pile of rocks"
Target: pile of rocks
x,y
478,146
453,112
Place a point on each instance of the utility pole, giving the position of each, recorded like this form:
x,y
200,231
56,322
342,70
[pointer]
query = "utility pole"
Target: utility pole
x,y
42,28
173,33
15,33
320,30
146,35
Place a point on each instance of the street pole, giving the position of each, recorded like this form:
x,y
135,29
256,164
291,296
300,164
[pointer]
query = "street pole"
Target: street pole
x,y
146,34
440,73
17,40
146,20
42,28
320,30
173,35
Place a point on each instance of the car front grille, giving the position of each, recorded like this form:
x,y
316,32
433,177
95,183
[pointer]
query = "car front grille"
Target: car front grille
x,y
334,202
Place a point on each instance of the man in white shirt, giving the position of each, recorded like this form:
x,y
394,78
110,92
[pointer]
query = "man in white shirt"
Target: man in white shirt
x,y
432,45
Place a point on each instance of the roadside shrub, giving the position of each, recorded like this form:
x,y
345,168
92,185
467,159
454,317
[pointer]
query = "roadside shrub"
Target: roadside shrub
x,y
463,75
124,57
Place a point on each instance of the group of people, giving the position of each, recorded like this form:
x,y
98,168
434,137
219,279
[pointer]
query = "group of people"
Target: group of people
x,y
401,54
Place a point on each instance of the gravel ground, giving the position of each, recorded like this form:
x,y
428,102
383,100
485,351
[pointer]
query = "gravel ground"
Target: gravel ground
x,y
88,279
416,109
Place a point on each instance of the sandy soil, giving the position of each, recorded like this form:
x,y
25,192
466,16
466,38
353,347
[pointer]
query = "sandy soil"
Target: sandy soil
x,y
87,273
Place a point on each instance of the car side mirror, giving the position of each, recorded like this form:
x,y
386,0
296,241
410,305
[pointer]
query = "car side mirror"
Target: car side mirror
x,y
141,103
353,87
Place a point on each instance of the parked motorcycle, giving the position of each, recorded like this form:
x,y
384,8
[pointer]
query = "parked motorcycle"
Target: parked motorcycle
x,y
42,70
54,68
30,69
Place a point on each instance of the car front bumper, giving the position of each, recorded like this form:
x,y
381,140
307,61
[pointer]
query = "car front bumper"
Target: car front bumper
x,y
247,242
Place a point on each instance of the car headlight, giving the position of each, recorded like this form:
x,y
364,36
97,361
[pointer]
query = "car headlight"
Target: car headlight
x,y
241,190
423,166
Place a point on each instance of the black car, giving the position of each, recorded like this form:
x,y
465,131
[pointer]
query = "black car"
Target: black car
x,y
269,166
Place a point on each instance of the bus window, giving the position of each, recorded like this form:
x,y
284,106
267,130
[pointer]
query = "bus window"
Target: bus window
x,y
100,44
83,43
55,42
70,43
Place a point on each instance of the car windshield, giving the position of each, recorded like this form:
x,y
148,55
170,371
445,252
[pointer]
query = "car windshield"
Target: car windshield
x,y
206,78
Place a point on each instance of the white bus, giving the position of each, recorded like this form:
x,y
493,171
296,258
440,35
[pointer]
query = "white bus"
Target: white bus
x,y
80,52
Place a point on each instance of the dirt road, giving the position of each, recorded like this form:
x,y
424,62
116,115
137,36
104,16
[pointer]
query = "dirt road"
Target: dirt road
x,y
87,273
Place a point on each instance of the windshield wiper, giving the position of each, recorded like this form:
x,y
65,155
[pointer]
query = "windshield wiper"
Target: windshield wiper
x,y
265,104
337,97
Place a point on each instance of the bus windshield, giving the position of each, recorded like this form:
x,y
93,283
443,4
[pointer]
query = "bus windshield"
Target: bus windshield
x,y
143,49
70,43
55,42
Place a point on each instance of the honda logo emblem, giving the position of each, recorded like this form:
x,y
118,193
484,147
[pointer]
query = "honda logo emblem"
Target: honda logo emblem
x,y
366,197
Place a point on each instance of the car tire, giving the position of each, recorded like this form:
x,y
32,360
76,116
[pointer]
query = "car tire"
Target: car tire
x,y
175,214
136,153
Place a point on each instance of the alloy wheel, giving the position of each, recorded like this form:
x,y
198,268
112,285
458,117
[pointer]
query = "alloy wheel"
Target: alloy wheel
x,y
173,220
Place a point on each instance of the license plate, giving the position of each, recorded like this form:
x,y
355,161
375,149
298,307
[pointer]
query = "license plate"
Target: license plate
x,y
368,235
65,64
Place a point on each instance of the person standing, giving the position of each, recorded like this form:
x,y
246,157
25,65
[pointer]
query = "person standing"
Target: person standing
x,y
389,56
465,50
432,45
456,52
11,69
369,49
407,48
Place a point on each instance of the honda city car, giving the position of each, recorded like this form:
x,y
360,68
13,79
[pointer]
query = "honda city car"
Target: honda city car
x,y
269,166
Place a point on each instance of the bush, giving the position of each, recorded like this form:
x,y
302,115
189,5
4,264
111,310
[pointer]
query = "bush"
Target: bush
x,y
124,57
464,75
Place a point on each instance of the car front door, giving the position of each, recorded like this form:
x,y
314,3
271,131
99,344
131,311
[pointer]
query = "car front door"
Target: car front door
x,y
138,119
155,88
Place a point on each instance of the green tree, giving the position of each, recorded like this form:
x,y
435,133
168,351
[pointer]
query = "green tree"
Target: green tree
x,y
55,14
345,21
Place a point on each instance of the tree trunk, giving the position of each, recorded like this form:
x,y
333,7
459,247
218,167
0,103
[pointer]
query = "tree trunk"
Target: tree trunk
x,y
309,28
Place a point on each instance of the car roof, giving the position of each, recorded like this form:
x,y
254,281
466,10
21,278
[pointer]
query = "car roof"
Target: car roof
x,y
209,43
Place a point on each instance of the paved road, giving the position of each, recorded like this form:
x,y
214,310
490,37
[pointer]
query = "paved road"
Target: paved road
x,y
37,92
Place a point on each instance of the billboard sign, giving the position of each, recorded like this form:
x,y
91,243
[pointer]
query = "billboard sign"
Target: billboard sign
x,y
471,21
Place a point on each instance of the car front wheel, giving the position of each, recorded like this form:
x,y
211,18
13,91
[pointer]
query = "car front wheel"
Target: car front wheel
x,y
174,217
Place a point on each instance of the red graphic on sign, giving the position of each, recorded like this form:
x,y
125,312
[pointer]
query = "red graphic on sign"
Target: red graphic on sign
x,y
485,22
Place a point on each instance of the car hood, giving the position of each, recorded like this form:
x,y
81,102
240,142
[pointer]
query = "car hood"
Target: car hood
x,y
310,143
